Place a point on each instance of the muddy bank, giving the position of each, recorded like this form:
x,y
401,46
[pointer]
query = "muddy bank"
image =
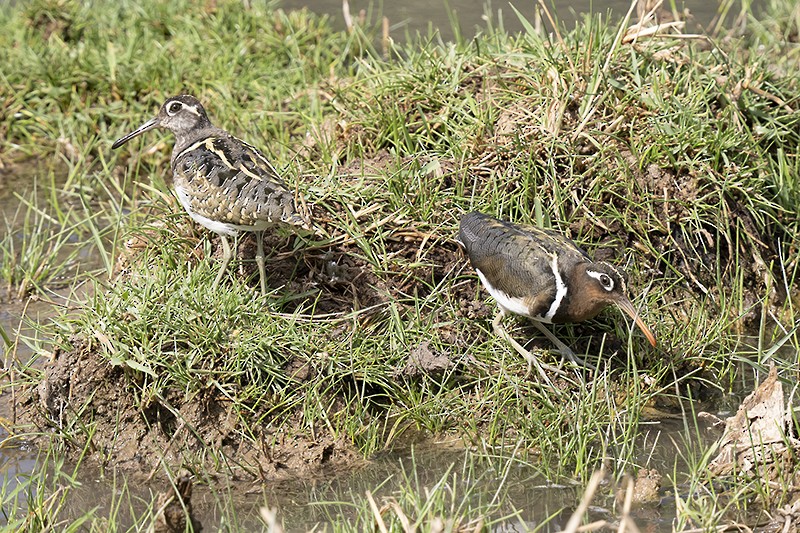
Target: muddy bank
x,y
89,403
696,233
94,404
196,432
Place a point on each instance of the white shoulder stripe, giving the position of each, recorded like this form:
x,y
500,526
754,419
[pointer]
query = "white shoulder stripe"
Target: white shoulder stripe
x,y
561,289
194,146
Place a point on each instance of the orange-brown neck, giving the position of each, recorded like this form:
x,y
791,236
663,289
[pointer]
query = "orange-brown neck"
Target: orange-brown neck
x,y
585,298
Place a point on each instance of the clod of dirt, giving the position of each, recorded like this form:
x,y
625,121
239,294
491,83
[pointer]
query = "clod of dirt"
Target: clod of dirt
x,y
80,384
646,488
174,508
424,360
758,439
787,518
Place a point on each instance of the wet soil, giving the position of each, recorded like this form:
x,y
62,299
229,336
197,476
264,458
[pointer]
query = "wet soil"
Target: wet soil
x,y
171,429
80,386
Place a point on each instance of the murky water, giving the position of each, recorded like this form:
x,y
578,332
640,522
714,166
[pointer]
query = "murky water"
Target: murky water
x,y
304,504
528,499
28,182
531,501
472,15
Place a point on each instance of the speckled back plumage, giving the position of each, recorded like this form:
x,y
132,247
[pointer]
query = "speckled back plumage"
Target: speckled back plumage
x,y
541,274
227,180
515,255
225,184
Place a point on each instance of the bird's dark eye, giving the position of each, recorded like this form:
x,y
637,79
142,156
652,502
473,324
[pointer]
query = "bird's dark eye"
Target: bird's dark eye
x,y
174,107
606,282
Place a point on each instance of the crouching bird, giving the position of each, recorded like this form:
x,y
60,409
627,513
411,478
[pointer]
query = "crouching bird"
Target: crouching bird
x,y
543,275
225,184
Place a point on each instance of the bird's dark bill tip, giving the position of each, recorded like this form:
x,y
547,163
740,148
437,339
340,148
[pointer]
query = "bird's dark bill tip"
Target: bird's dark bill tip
x,y
149,125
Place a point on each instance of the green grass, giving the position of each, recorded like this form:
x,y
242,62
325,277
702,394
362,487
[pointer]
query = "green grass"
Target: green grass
x,y
674,158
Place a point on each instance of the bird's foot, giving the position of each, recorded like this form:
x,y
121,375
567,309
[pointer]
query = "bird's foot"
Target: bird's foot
x,y
574,359
562,348
533,361
542,368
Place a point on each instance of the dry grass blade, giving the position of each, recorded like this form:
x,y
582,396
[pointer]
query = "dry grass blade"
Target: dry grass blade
x,y
573,525
626,521
404,521
641,30
270,518
377,513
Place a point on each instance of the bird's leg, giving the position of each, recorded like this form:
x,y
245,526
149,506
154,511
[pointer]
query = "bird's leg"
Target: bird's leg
x,y
260,261
500,331
563,349
226,258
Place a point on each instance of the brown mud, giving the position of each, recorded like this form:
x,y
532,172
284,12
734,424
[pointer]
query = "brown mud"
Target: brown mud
x,y
79,385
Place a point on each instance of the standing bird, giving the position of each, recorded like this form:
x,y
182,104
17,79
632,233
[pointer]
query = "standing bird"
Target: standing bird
x,y
543,275
225,184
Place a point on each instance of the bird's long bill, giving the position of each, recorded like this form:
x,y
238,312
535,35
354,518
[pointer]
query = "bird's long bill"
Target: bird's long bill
x,y
627,306
147,126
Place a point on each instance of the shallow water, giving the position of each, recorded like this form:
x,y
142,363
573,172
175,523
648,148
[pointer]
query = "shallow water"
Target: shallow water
x,y
28,181
529,500
303,504
416,16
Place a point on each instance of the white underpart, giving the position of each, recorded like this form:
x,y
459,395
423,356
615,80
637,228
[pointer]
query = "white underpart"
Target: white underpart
x,y
561,291
597,276
509,303
217,227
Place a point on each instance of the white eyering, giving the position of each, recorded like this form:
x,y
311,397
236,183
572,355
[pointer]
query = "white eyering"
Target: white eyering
x,y
599,277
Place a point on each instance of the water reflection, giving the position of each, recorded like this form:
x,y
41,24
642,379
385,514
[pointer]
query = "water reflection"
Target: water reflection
x,y
526,499
474,15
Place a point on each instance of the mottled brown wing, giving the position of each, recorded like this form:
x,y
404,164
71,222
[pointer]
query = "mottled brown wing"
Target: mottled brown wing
x,y
231,181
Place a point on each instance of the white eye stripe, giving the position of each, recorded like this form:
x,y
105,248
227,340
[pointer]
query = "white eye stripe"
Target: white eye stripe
x,y
172,110
605,280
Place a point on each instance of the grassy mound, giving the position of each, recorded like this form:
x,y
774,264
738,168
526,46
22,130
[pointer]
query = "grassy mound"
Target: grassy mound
x,y
675,158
